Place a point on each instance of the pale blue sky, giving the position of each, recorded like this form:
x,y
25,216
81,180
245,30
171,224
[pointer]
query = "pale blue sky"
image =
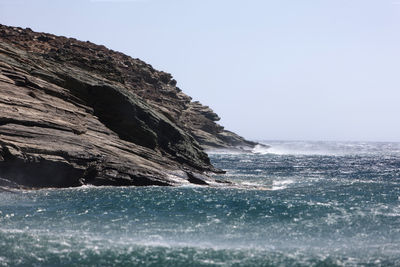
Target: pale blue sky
x,y
302,70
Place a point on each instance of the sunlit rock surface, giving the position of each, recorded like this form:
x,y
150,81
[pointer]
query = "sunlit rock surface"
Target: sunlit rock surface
x,y
74,113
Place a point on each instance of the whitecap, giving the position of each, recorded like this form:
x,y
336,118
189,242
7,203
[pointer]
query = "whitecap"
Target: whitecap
x,y
281,184
261,149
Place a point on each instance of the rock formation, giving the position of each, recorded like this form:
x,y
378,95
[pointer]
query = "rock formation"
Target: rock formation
x,y
74,113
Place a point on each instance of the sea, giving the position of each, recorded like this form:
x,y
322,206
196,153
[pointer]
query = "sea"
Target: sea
x,y
293,204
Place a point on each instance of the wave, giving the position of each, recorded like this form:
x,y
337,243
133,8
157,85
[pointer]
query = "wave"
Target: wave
x,y
326,148
312,148
299,148
294,148
282,184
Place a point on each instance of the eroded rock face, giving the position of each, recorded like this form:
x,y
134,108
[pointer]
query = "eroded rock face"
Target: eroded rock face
x,y
74,113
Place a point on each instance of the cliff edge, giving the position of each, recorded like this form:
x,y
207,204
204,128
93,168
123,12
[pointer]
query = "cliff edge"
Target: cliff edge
x,y
74,113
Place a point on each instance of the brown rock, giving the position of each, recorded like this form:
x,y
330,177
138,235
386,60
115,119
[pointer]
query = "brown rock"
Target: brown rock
x,y
75,113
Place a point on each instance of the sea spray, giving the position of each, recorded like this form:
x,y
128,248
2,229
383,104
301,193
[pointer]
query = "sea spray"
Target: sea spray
x,y
338,208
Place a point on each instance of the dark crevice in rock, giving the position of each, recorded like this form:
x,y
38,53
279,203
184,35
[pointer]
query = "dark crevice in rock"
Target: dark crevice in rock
x,y
133,181
37,172
116,111
40,174
195,180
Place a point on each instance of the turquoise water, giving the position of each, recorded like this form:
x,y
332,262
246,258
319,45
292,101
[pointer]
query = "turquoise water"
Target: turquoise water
x,y
329,204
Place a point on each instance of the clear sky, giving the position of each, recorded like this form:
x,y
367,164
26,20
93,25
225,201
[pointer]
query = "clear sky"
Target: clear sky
x,y
282,69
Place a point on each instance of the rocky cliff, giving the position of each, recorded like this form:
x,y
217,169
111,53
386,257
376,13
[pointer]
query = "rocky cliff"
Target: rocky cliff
x,y
74,113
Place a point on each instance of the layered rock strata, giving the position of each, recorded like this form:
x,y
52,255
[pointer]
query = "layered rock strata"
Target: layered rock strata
x,y
74,113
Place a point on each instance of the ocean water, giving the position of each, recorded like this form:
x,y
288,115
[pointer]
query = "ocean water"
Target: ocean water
x,y
297,204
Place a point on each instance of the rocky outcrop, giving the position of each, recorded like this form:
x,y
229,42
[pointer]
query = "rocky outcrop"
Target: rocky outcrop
x,y
74,113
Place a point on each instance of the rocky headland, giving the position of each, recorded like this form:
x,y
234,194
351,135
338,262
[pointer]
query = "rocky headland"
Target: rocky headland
x,y
74,113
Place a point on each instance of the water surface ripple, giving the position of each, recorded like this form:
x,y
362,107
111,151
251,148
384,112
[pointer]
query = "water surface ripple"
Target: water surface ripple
x,y
330,204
